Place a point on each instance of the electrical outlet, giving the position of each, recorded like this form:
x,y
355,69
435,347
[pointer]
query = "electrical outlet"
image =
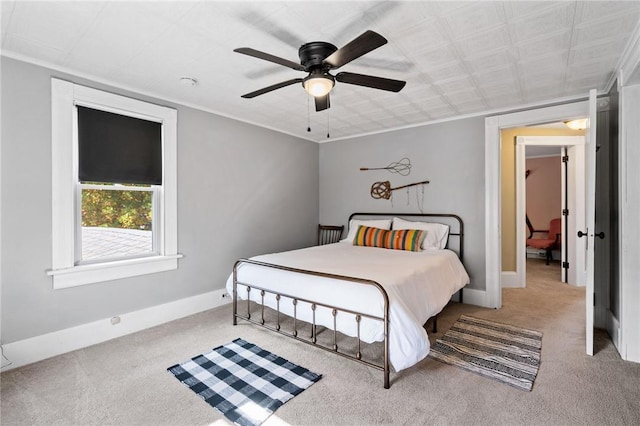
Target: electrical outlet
x,y
115,320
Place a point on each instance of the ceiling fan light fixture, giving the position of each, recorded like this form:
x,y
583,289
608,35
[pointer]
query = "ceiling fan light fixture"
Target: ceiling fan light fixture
x,y
318,84
578,124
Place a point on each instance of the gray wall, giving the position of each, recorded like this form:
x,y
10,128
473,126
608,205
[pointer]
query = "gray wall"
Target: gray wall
x,y
242,191
450,155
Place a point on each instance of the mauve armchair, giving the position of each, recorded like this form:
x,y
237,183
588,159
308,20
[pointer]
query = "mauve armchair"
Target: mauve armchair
x,y
552,240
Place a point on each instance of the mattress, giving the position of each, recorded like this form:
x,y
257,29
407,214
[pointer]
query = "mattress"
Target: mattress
x,y
419,285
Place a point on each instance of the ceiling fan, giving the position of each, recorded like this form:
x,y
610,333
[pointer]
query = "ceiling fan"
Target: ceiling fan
x,y
317,58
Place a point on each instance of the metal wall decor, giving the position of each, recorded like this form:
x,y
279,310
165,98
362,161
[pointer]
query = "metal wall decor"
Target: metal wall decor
x,y
383,189
402,167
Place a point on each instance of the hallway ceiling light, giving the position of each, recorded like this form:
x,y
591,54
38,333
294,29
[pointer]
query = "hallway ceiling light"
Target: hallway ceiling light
x,y
578,124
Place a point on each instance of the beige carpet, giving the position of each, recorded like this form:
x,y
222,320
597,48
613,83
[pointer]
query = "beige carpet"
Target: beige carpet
x,y
124,381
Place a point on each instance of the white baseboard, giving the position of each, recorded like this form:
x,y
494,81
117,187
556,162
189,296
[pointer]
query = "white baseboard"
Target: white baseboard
x,y
509,279
45,346
472,296
613,328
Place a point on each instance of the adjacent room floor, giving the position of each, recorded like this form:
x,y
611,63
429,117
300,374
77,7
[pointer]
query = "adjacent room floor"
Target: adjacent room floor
x,y
124,381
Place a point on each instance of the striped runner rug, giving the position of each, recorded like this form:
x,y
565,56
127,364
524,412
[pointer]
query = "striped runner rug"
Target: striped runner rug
x,y
498,351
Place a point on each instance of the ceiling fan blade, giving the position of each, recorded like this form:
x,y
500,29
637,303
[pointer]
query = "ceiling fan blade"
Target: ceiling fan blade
x,y
364,43
264,23
322,102
371,81
268,70
382,8
268,57
270,88
385,64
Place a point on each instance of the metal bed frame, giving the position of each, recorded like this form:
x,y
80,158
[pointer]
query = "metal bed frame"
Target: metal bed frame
x,y
312,340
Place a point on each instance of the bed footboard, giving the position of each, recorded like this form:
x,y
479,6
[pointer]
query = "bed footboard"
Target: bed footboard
x,y
312,340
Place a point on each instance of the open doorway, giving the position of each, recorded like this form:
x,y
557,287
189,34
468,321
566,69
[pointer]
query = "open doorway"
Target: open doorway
x,y
496,228
545,200
563,208
513,214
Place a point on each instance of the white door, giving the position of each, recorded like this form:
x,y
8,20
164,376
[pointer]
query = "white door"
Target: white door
x,y
590,209
576,176
564,202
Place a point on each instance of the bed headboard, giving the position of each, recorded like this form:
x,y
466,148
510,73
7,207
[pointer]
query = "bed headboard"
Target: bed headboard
x,y
456,226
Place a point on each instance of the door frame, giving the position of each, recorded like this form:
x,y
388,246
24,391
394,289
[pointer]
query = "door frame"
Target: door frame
x,y
493,182
628,80
521,201
629,209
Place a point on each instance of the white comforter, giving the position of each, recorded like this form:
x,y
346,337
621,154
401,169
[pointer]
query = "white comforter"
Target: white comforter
x,y
419,285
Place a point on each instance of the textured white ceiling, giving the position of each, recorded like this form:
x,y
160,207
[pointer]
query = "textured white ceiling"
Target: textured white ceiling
x,y
458,58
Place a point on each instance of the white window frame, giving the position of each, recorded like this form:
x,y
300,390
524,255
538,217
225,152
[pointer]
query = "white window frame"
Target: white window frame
x,y
64,269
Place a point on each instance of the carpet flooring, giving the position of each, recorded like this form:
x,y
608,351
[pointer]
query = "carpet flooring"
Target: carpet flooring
x,y
124,381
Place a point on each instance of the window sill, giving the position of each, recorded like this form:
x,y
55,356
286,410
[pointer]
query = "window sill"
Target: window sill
x,y
107,271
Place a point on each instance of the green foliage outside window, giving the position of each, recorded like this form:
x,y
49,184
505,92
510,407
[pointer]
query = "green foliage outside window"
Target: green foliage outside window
x,y
117,209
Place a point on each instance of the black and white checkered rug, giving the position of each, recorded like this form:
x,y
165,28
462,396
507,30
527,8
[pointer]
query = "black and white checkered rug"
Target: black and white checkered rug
x,y
243,381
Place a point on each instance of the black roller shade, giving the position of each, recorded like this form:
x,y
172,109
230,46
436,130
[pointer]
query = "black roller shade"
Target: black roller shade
x,y
114,148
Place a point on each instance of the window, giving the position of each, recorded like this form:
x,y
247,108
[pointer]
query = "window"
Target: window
x,y
119,174
113,186
116,221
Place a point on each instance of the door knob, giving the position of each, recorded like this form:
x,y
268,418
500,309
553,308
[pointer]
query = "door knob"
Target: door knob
x,y
584,234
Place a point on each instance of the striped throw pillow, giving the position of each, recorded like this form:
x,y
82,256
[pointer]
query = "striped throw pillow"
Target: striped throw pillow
x,y
370,237
405,239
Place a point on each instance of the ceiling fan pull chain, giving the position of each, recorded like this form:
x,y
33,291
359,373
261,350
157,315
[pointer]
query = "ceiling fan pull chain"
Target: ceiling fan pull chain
x,y
308,113
328,125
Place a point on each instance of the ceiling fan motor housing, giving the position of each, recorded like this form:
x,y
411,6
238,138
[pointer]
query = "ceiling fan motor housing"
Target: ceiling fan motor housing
x,y
312,54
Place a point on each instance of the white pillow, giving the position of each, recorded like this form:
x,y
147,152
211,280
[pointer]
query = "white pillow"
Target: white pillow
x,y
437,233
355,223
